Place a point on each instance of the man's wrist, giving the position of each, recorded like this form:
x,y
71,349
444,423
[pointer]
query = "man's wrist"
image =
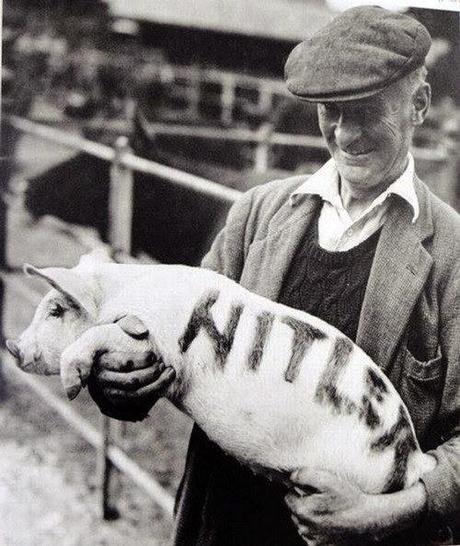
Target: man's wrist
x,y
399,511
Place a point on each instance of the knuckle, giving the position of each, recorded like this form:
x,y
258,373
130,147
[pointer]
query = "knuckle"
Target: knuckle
x,y
114,394
108,358
133,383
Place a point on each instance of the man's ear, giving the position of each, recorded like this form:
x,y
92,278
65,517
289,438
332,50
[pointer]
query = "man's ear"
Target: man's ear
x,y
70,284
421,100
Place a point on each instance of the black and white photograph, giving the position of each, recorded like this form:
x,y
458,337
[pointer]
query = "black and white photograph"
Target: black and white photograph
x,y
230,273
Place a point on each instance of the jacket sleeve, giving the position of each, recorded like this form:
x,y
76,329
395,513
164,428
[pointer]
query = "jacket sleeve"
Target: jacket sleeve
x,y
443,483
229,249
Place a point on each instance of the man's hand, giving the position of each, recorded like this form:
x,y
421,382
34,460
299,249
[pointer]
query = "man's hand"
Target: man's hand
x,y
124,394
329,510
126,385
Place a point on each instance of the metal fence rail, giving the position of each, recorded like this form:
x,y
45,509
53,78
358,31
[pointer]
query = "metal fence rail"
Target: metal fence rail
x,y
116,456
128,160
263,138
123,163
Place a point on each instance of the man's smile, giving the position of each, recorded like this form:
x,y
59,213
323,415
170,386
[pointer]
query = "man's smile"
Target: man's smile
x,y
355,156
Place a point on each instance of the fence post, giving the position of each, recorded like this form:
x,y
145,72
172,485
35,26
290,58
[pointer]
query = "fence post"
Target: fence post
x,y
120,200
120,232
262,152
105,472
227,100
8,138
7,143
265,101
194,93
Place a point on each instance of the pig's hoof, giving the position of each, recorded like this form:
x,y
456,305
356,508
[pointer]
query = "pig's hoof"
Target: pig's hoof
x,y
72,391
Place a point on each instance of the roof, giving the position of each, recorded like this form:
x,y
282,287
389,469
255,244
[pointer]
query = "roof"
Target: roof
x,y
280,19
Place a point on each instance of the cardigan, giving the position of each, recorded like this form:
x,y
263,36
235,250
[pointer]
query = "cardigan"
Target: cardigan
x,y
409,322
329,284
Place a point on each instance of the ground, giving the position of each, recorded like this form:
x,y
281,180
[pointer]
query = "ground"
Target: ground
x,y
48,481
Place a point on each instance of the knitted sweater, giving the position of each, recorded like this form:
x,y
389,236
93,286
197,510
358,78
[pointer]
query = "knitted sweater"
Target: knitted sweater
x,y
330,285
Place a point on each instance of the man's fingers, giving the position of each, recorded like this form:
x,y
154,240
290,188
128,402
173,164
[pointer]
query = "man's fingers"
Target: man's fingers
x,y
144,393
312,478
301,507
123,361
310,508
130,381
308,532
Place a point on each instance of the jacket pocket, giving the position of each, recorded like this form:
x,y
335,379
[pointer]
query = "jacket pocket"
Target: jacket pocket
x,y
429,372
421,389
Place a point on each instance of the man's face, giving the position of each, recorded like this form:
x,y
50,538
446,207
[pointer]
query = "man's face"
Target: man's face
x,y
369,138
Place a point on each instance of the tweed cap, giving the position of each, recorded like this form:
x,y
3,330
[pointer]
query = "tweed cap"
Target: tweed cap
x,y
360,52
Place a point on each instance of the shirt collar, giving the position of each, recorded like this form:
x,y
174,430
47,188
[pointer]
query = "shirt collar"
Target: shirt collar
x,y
325,184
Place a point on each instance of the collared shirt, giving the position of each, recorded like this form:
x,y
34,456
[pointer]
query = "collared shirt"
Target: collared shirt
x,y
336,229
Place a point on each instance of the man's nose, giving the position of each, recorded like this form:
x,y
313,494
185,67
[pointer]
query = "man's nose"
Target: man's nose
x,y
346,133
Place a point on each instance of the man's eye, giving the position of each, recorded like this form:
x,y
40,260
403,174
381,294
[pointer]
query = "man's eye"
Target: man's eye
x,y
56,311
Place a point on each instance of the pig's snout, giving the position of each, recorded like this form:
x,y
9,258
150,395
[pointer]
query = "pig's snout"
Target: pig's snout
x,y
25,359
13,348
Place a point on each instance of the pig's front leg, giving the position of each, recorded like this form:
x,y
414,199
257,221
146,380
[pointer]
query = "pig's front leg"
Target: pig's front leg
x,y
109,341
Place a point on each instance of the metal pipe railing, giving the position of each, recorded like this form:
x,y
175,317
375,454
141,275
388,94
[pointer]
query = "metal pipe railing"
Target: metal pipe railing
x,y
128,160
123,163
264,138
115,455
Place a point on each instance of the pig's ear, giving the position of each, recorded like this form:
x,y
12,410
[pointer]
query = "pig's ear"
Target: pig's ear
x,y
95,257
69,283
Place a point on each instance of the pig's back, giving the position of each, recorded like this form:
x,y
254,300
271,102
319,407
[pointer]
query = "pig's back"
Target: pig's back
x,y
278,388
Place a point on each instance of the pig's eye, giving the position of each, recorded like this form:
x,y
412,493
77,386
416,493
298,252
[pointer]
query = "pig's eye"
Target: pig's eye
x,y
56,311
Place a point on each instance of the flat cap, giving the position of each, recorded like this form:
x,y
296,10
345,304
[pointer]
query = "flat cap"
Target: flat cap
x,y
360,52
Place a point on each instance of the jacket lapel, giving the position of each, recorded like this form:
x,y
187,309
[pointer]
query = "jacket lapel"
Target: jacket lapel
x,y
400,269
268,259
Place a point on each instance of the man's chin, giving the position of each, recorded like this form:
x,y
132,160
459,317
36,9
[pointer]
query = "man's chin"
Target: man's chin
x,y
356,175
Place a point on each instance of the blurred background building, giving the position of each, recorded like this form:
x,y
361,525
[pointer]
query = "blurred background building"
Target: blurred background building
x,y
195,85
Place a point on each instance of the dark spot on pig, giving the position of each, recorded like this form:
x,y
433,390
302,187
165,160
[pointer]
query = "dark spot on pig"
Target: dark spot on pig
x,y
304,336
201,319
369,414
376,385
326,391
340,404
388,438
399,437
263,329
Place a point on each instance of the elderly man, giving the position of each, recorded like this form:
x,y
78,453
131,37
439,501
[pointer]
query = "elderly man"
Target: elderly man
x,y
366,246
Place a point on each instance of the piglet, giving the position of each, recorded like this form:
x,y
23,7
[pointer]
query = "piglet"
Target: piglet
x,y
274,387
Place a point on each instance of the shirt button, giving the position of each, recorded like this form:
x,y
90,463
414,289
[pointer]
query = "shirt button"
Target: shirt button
x,y
349,232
